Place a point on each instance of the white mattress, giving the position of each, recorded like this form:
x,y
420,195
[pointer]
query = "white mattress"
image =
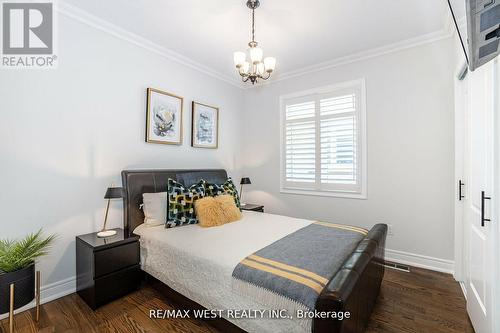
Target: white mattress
x,y
198,262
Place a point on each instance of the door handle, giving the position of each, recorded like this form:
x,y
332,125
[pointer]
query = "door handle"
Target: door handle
x,y
460,195
488,3
483,219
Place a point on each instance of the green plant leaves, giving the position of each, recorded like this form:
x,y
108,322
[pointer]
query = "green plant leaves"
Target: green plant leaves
x,y
18,254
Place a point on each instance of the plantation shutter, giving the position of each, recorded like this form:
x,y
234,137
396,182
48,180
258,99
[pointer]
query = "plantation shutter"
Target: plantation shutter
x,y
338,140
322,142
300,138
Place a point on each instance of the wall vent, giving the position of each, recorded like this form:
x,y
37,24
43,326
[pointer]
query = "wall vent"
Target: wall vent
x,y
398,267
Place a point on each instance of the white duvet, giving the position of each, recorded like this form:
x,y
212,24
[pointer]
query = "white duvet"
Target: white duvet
x,y
198,262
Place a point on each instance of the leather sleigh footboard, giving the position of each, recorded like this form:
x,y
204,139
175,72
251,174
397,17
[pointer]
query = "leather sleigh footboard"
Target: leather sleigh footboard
x,y
355,287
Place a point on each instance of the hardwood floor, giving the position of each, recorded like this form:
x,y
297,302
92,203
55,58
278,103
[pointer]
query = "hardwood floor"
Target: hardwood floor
x,y
421,301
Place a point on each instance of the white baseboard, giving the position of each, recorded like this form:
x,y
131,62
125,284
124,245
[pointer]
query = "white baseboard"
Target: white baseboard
x,y
417,260
50,292
464,290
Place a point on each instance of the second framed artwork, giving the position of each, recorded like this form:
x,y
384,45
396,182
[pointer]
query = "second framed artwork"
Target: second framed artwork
x,y
204,126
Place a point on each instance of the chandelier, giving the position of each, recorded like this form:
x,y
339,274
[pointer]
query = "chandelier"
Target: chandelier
x,y
256,68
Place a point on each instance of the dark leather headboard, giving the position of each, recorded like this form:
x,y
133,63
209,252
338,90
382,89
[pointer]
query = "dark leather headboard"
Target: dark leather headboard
x,y
137,182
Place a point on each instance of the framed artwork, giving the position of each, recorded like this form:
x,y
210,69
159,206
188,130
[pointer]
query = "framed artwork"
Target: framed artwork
x,y
204,126
164,117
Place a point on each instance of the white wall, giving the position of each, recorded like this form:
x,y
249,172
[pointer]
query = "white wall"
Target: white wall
x,y
410,134
66,134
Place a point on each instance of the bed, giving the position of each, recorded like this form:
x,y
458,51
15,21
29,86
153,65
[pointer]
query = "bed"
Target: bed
x,y
193,265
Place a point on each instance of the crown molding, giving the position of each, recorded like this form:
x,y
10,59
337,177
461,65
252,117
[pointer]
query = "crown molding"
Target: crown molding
x,y
91,20
446,32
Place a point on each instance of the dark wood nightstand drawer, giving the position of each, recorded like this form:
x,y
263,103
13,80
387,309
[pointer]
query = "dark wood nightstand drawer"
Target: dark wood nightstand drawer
x,y
106,268
116,258
112,286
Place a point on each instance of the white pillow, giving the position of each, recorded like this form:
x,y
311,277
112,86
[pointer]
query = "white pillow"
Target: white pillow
x,y
155,208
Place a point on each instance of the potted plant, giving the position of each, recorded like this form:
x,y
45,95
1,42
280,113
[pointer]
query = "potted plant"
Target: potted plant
x,y
17,265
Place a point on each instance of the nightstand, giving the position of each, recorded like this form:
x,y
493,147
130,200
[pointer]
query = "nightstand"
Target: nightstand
x,y
255,208
106,268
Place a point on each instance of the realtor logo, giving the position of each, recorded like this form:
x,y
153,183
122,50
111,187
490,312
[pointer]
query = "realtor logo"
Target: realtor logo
x,y
28,35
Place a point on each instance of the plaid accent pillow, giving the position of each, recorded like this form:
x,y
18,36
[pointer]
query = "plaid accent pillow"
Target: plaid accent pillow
x,y
227,188
181,203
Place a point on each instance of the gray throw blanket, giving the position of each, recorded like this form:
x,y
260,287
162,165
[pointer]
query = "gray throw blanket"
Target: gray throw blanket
x,y
299,266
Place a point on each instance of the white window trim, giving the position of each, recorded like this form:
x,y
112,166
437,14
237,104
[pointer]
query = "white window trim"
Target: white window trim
x,y
360,83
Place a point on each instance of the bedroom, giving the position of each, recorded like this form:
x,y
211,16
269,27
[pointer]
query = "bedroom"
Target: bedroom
x,y
377,119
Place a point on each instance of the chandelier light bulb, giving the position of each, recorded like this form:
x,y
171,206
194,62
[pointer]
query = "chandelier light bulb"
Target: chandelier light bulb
x,y
245,67
270,64
260,68
239,58
256,54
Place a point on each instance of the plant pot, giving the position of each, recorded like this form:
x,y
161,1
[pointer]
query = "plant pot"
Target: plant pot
x,y
24,290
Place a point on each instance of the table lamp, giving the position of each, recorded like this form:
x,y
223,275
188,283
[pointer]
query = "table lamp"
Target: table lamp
x,y
111,193
244,181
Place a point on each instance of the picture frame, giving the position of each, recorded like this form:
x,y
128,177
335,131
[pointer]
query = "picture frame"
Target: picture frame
x,y
204,126
164,117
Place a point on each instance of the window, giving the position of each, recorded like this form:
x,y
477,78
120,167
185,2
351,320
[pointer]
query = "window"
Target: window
x,y
323,141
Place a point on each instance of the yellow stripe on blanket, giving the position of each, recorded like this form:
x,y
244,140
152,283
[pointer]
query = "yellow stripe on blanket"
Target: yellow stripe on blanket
x,y
280,265
341,226
287,275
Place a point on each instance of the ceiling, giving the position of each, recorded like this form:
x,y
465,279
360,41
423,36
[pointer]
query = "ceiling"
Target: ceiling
x,y
298,33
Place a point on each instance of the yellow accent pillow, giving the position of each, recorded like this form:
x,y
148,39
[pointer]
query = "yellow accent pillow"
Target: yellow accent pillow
x,y
215,211
231,212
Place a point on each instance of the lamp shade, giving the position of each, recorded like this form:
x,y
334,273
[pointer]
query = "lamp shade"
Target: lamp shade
x,y
245,181
256,54
245,67
260,68
270,64
114,193
239,59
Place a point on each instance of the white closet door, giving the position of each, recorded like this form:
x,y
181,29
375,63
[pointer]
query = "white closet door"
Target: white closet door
x,y
478,231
